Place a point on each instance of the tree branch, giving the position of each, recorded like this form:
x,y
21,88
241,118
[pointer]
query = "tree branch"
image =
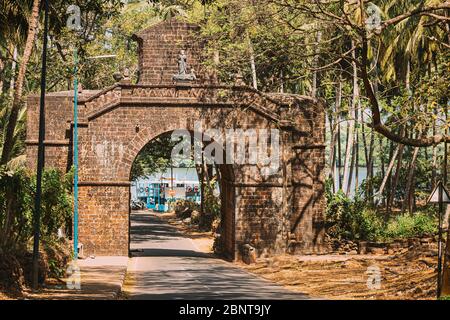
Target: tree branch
x,y
406,15
377,124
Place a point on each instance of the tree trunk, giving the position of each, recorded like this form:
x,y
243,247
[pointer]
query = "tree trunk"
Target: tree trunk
x,y
201,179
332,162
407,77
13,72
350,173
18,87
389,169
252,64
339,158
370,166
346,160
366,151
364,141
407,202
357,148
382,156
351,127
444,173
382,160
314,84
334,133
396,178
281,82
434,158
2,67
389,179
446,267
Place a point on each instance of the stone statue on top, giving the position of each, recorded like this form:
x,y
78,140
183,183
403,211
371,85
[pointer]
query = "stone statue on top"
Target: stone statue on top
x,y
183,74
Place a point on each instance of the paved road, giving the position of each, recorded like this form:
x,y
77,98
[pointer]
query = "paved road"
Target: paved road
x,y
166,265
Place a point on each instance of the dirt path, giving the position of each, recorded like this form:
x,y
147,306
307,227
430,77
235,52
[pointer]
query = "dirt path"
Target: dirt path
x,y
409,275
332,277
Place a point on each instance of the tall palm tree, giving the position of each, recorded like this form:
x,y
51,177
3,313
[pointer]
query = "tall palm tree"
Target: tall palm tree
x,y
14,20
17,103
411,43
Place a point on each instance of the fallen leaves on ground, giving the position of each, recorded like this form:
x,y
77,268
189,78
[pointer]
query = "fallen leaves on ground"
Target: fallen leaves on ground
x,y
404,276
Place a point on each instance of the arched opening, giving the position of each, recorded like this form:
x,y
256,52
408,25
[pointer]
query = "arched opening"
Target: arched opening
x,y
195,187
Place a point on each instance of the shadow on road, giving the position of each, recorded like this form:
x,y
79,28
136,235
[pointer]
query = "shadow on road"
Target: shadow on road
x,y
169,266
168,253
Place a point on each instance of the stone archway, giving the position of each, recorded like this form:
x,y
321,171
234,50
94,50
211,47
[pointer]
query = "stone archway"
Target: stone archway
x,y
277,213
226,242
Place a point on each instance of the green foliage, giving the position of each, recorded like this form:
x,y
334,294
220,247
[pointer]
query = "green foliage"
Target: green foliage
x,y
56,203
16,203
57,253
241,30
156,156
405,226
55,268
370,225
17,190
183,208
114,36
352,219
211,206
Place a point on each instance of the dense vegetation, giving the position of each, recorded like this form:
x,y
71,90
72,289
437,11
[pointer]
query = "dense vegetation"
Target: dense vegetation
x,y
382,67
17,191
352,219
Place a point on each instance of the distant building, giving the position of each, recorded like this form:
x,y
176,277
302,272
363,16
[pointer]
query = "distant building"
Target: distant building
x,y
159,189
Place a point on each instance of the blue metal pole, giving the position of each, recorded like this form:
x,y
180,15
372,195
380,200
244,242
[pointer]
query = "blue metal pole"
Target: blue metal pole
x,y
41,158
158,186
75,158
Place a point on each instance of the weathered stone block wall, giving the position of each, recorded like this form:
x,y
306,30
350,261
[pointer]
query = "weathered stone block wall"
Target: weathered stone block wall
x,y
308,181
261,218
110,143
58,112
159,50
104,219
58,134
228,225
58,157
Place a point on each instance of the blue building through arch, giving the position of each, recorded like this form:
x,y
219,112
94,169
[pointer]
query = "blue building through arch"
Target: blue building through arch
x,y
160,189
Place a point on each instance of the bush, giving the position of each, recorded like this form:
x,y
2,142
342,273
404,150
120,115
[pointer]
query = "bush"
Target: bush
x,y
406,226
16,208
352,219
211,207
59,253
210,217
56,202
371,225
17,192
183,208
